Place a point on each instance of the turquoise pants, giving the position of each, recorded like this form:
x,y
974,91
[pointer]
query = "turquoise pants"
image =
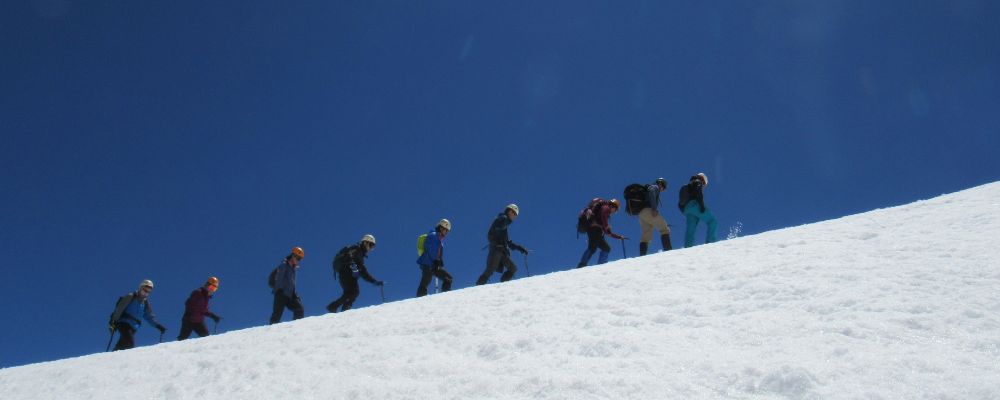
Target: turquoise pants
x,y
694,215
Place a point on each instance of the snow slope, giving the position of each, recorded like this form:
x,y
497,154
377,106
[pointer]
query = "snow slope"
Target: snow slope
x,y
898,303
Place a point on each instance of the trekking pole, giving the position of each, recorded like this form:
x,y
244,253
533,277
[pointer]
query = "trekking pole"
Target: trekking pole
x,y
526,264
437,285
161,337
624,255
381,289
110,339
216,329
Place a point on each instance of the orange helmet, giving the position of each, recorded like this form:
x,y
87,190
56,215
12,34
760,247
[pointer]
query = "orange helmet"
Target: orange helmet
x,y
298,252
615,203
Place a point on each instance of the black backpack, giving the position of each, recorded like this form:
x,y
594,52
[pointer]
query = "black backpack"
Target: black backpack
x,y
271,277
683,197
592,208
635,198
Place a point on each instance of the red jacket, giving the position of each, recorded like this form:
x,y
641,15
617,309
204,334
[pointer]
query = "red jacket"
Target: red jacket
x,y
196,306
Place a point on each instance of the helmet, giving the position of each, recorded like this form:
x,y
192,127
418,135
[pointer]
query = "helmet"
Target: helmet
x,y
703,178
369,239
212,281
444,223
298,252
615,203
661,182
145,283
513,207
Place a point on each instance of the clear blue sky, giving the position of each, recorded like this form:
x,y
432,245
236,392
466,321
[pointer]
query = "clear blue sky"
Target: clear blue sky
x,y
178,141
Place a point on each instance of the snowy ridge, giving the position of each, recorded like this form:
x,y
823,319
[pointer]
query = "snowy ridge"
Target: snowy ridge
x,y
898,303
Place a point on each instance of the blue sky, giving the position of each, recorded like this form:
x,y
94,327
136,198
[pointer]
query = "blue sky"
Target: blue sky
x,y
176,142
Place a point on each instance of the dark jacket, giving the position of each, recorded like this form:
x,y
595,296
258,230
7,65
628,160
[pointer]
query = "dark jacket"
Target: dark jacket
x,y
652,196
130,308
284,280
350,261
694,193
196,306
497,235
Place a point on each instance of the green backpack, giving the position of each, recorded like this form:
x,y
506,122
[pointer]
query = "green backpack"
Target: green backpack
x,y
420,244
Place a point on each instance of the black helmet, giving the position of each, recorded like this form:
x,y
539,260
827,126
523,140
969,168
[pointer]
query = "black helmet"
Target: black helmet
x,y
662,182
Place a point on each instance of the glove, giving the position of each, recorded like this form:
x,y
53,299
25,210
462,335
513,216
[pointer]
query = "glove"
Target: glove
x,y
379,283
520,249
438,264
616,236
214,317
111,327
702,209
162,328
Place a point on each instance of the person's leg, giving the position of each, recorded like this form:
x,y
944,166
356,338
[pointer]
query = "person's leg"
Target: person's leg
x,y
594,235
661,226
605,250
185,330
492,261
345,280
710,222
352,292
126,337
425,279
509,266
646,226
298,311
691,213
445,278
200,329
278,307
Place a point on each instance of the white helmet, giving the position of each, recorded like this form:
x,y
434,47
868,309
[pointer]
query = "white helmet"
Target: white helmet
x,y
369,239
145,283
703,177
444,223
513,207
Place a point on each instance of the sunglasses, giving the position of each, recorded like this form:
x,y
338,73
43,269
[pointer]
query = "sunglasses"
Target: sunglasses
x,y
212,288
147,289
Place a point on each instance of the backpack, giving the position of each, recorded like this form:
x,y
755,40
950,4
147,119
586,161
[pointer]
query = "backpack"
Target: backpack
x,y
683,197
272,277
635,198
593,207
420,244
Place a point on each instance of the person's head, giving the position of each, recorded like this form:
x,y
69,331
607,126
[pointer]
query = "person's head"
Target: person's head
x,y
145,288
443,227
701,176
368,241
296,256
212,284
614,205
662,183
512,210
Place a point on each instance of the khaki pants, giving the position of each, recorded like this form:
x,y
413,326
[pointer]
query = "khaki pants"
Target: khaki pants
x,y
647,222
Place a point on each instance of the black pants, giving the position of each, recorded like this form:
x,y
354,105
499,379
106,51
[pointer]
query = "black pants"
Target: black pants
x,y
351,292
197,327
595,240
499,257
425,279
126,337
281,302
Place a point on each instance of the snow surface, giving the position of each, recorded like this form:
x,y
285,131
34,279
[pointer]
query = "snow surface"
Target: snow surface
x,y
898,303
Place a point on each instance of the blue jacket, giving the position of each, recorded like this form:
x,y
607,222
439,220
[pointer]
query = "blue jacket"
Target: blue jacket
x,y
432,246
284,280
131,308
